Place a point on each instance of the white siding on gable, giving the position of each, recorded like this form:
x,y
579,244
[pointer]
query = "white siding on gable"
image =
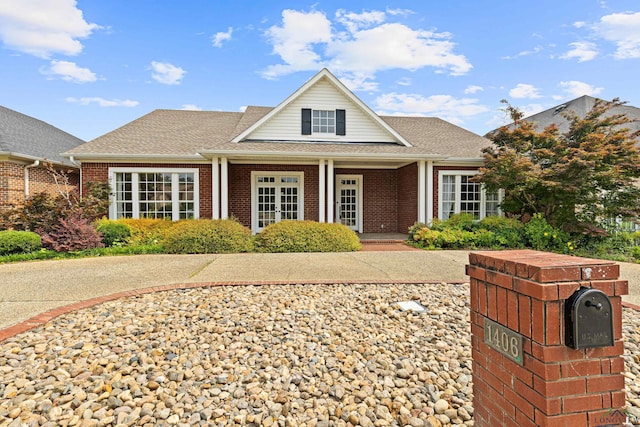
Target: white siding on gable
x,y
286,125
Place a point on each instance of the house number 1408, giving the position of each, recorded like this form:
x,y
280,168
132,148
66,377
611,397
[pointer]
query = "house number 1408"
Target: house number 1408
x,y
503,340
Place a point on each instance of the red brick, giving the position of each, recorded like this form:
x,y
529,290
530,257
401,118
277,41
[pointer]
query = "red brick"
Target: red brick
x,y
520,372
538,321
482,298
599,272
605,383
559,388
555,274
617,365
550,406
546,371
499,279
565,420
580,368
492,302
501,301
565,290
607,417
523,405
618,399
524,305
543,292
476,272
513,320
608,286
588,402
553,322
621,287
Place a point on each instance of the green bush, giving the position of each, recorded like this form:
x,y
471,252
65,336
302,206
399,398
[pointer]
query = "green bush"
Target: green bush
x,y
17,242
307,236
508,232
542,236
461,221
204,236
114,233
147,231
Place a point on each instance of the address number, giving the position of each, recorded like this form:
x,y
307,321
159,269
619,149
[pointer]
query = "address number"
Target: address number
x,y
503,340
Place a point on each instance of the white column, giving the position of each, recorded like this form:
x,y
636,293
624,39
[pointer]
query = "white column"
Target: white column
x,y
429,192
422,192
322,201
330,184
224,188
215,188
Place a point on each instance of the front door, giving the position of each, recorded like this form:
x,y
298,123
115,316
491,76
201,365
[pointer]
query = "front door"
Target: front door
x,y
349,201
277,197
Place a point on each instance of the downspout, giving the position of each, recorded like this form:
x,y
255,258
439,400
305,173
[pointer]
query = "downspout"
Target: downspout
x,y
26,177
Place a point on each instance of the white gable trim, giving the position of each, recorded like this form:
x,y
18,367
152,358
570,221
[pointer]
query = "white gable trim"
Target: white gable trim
x,y
324,73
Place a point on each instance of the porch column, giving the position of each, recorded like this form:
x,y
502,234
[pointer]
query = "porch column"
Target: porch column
x,y
215,188
224,188
322,178
429,192
422,192
330,185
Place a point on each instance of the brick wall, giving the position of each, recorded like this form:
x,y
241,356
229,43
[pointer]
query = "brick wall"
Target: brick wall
x,y
99,172
407,197
556,385
12,191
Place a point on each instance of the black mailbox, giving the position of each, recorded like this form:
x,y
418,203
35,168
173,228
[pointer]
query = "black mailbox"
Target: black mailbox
x,y
588,319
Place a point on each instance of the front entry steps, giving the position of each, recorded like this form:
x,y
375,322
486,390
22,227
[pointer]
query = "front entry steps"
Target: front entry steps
x,y
381,242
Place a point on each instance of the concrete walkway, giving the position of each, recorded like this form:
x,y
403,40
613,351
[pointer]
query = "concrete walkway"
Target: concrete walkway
x,y
28,289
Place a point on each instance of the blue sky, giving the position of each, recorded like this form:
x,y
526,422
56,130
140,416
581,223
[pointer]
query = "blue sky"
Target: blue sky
x,y
91,66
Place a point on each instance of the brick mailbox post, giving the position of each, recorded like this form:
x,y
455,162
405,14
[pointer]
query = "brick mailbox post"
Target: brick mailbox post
x,y
540,357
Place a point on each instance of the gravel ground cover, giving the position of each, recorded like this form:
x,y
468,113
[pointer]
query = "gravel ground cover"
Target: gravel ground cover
x,y
305,355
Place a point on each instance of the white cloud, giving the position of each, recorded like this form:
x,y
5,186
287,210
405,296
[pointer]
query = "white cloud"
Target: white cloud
x,y
523,90
43,27
576,88
533,51
221,37
473,89
191,107
582,51
103,102
623,29
358,45
443,106
70,72
579,24
405,81
166,73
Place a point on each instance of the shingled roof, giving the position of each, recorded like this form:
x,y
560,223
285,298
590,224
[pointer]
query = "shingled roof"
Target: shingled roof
x,y
580,107
22,136
184,133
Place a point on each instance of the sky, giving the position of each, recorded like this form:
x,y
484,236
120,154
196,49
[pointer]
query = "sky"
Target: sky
x,y
91,66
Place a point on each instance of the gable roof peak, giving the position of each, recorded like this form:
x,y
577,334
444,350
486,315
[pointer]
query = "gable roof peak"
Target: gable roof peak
x,y
342,88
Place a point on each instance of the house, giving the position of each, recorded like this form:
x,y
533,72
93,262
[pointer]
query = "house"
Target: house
x,y
25,144
321,155
580,107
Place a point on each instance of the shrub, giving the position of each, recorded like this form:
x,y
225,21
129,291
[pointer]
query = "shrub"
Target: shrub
x,y
147,231
461,221
72,234
508,232
17,242
204,236
307,236
113,232
542,236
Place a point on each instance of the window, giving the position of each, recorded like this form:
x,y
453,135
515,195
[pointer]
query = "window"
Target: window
x,y
458,194
332,122
154,193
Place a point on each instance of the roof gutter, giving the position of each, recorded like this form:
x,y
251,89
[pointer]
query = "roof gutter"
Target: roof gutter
x,y
133,157
319,155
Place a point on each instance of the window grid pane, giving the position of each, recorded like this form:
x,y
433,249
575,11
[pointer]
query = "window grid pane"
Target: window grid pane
x,y
469,197
124,195
448,196
492,205
324,121
186,194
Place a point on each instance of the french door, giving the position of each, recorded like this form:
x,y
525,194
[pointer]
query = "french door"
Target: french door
x,y
276,197
349,201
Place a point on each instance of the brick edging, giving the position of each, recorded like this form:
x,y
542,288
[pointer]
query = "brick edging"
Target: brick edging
x,y
43,318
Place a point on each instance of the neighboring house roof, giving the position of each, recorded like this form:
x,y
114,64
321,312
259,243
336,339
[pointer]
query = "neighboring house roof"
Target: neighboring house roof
x,y
580,106
191,135
24,137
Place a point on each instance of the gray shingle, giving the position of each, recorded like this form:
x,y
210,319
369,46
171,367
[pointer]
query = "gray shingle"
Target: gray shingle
x,y
23,135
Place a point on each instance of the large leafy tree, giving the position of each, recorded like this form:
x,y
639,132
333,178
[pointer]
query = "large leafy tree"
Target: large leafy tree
x,y
575,179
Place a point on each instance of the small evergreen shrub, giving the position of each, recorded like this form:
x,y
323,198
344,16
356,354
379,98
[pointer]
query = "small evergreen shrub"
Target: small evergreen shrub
x,y
18,242
147,231
307,236
508,232
461,221
114,233
542,236
72,234
205,236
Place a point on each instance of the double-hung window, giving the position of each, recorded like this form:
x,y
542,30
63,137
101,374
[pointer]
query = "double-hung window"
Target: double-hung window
x,y
458,194
323,122
154,193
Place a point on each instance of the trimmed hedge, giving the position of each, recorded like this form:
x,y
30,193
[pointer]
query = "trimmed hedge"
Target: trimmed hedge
x,y
307,236
204,236
146,231
19,242
113,232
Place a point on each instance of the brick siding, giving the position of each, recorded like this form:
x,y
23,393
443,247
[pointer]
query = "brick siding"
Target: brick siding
x,y
407,197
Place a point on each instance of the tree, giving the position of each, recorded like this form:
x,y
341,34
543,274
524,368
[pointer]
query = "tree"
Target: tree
x,y
576,179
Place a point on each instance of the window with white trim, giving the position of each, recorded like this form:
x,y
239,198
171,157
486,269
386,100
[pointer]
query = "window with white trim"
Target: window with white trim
x,y
323,121
458,194
154,193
